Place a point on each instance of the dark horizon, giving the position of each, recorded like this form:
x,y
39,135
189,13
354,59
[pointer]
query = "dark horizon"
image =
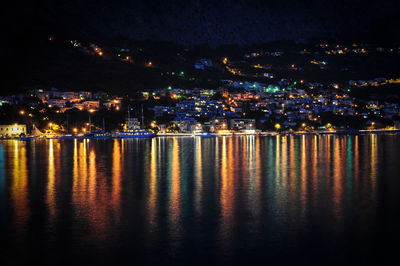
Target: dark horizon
x,y
194,23
163,27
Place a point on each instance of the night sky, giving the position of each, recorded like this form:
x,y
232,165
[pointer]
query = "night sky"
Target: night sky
x,y
214,23
27,26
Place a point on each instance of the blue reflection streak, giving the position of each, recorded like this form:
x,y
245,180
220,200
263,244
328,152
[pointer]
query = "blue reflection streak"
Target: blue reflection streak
x,y
350,167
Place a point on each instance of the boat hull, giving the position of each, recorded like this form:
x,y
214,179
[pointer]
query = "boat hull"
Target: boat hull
x,y
67,137
207,136
26,138
99,137
146,136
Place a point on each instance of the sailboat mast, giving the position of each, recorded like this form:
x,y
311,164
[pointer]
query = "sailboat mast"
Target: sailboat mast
x,y
142,117
90,124
67,125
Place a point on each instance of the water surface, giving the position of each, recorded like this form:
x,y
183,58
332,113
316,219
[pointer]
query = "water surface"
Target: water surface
x,y
230,200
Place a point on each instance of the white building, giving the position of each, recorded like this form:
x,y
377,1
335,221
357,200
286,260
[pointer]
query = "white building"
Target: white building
x,y
14,130
242,124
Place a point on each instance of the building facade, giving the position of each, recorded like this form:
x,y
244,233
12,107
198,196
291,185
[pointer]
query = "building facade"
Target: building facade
x,y
14,130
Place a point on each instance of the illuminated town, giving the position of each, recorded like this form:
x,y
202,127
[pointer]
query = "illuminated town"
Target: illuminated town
x,y
251,98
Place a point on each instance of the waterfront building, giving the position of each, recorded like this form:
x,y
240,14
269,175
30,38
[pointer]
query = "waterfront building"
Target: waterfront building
x,y
188,125
220,125
14,130
242,124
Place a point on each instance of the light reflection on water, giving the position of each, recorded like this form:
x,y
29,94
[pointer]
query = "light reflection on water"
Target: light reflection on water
x,y
185,198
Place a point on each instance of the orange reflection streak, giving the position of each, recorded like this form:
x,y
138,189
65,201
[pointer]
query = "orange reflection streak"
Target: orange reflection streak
x,y
356,161
303,174
250,156
217,148
94,199
116,179
198,176
51,189
226,192
292,182
245,161
233,163
79,192
284,165
315,163
252,175
153,182
19,188
315,168
338,178
292,165
100,195
277,161
175,184
374,163
98,200
75,170
224,179
92,177
327,167
250,160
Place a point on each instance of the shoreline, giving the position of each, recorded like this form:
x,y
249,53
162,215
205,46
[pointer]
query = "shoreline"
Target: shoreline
x,y
234,134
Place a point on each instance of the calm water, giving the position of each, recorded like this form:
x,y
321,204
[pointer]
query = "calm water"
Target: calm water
x,y
243,200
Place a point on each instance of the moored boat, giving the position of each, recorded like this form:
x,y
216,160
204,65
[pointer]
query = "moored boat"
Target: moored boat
x,y
97,135
207,135
26,138
67,136
136,133
133,130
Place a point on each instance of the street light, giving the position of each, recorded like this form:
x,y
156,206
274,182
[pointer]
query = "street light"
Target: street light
x,y
277,126
22,112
